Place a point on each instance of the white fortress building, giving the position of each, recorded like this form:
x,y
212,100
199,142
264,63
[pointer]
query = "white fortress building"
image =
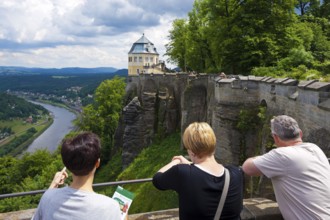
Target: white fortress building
x,y
144,58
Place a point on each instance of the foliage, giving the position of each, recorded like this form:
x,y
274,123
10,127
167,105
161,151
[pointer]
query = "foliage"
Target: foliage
x,y
11,146
33,171
239,37
252,120
15,107
48,84
102,116
149,161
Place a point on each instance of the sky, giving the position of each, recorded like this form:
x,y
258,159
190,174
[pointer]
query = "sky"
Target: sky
x,y
83,33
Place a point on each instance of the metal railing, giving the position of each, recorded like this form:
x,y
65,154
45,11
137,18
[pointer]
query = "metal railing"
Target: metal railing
x,y
124,182
10,195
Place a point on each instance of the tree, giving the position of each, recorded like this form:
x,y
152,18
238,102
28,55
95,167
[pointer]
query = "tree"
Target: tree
x,y
325,9
176,49
102,117
305,7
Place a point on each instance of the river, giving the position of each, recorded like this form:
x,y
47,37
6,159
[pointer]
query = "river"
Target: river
x,y
52,137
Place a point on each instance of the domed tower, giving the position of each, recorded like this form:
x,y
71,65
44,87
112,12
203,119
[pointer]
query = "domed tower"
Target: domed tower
x,y
143,58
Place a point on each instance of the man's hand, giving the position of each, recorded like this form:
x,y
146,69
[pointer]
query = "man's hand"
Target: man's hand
x,y
59,178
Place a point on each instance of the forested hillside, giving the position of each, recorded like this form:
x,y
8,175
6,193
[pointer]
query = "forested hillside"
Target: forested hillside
x,y
273,38
15,70
15,107
53,84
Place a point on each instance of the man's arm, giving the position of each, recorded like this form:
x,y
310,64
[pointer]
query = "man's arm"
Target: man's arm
x,y
250,168
59,178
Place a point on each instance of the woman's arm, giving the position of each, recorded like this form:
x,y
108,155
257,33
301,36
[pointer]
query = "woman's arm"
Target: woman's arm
x,y
175,161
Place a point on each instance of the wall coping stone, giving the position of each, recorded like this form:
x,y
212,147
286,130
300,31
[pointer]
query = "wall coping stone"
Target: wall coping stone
x,y
226,80
303,84
319,86
257,78
271,80
266,78
281,80
325,105
290,82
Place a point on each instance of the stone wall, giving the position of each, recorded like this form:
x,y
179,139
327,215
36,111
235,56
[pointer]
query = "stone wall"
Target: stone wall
x,y
257,208
167,103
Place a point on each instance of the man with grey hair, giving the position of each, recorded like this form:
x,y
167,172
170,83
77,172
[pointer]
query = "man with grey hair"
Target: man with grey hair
x,y
300,172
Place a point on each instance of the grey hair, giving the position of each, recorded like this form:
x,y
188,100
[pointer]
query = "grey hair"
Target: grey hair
x,y
285,127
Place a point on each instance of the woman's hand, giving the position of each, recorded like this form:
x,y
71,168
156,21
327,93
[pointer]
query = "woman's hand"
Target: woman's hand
x,y
175,161
59,178
182,159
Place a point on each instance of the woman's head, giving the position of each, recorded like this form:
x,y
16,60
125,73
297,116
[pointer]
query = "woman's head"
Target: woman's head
x,y
200,139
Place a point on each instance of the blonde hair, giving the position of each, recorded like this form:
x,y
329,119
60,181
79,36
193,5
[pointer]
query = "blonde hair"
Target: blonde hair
x,y
199,137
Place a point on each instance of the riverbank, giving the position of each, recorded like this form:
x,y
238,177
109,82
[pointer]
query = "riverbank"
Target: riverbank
x,y
63,124
22,137
21,148
63,127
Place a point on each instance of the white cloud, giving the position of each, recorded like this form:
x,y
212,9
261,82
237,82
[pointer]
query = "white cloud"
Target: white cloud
x,y
84,33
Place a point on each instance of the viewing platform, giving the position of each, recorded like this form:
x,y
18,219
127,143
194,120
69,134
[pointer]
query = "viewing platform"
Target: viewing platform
x,y
254,208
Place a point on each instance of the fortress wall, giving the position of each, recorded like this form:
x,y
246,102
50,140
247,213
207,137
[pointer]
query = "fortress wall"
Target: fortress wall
x,y
185,98
231,96
307,102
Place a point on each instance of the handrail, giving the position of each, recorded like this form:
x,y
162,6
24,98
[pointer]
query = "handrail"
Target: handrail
x,y
10,195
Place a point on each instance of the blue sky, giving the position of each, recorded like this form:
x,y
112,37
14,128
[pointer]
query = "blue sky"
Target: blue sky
x,y
83,33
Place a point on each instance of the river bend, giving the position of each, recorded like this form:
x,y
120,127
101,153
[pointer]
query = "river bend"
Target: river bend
x,y
52,137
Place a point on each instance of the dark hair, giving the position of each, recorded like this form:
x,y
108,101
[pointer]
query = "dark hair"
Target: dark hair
x,y
80,153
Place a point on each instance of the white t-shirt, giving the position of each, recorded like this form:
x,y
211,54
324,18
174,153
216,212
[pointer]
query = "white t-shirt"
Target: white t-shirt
x,y
69,203
301,179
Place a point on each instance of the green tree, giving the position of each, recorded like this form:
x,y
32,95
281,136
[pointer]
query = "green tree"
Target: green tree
x,y
102,116
305,7
176,49
325,9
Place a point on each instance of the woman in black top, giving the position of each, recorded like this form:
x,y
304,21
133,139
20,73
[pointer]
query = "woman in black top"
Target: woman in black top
x,y
200,182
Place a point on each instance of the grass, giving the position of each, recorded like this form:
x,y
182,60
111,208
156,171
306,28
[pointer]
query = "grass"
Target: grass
x,y
150,160
19,127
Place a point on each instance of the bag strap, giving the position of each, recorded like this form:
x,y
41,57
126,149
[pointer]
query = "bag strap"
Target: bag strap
x,y
223,195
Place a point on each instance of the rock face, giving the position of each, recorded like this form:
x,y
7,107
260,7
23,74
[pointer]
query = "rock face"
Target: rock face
x,y
134,138
162,104
153,111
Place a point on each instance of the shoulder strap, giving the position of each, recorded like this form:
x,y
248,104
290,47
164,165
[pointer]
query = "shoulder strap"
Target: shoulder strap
x,y
223,195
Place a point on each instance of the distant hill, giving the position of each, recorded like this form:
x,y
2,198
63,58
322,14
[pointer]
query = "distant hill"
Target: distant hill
x,y
16,70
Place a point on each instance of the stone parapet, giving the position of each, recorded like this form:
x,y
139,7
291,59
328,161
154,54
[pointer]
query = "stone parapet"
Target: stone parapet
x,y
255,208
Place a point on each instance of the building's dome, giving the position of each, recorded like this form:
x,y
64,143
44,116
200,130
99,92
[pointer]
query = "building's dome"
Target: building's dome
x,y
143,45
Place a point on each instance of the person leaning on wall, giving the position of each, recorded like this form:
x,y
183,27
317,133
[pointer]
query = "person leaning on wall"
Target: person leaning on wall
x,y
200,182
81,156
299,171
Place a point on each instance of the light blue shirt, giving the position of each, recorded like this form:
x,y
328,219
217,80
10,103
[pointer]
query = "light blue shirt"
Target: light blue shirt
x,y
69,203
